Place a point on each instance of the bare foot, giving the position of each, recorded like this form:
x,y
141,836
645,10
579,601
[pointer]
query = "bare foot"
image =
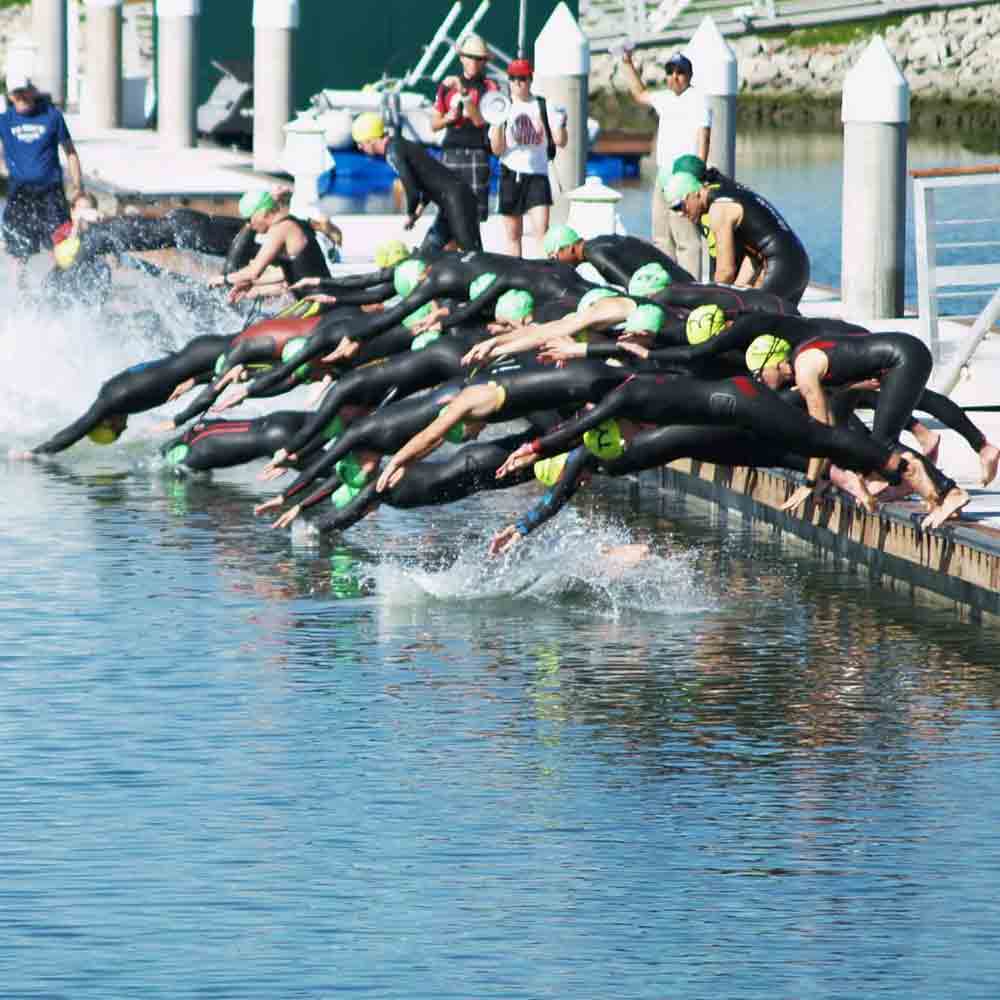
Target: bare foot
x,y
989,458
955,499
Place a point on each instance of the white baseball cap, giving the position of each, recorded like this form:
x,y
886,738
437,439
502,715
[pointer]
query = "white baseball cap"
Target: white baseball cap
x,y
18,81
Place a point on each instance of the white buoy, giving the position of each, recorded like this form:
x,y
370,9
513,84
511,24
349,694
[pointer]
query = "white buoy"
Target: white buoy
x,y
562,71
48,28
716,76
274,24
876,112
101,100
593,209
176,57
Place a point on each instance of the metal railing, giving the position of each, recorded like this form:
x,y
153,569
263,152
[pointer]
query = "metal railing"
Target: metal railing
x,y
937,281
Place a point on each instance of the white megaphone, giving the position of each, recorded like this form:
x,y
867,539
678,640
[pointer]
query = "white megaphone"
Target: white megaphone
x,y
494,107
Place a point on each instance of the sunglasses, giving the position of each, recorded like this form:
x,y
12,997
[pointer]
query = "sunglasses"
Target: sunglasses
x,y
465,55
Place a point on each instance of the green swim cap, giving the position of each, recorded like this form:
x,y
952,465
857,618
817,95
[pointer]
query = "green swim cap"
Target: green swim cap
x,y
349,470
548,470
220,364
292,349
407,275
343,495
480,284
343,577
177,454
595,295
418,314
645,319
676,187
650,278
767,350
558,238
256,201
333,429
104,433
689,164
704,323
454,434
391,253
605,440
425,340
514,305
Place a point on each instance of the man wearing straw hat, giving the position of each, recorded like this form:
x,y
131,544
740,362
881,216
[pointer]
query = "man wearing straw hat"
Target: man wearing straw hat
x,y
456,110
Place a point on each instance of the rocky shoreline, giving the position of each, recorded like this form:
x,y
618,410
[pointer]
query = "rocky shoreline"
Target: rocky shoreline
x,y
951,60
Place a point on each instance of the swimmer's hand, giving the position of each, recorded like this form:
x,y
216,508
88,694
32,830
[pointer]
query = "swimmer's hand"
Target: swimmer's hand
x,y
344,351
638,337
624,556
802,494
373,307
391,474
240,292
304,284
233,375
180,389
233,399
637,349
426,324
526,455
272,471
286,519
320,297
163,427
21,456
217,281
561,349
504,539
480,352
272,504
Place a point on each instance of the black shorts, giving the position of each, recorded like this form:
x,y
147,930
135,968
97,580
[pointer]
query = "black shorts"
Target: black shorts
x,y
519,192
30,218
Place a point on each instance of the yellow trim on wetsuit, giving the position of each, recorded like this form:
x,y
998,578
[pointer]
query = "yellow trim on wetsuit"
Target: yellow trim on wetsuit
x,y
501,395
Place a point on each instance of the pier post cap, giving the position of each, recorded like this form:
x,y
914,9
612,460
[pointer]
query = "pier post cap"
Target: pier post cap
x,y
178,8
103,3
594,190
874,89
714,61
276,13
561,48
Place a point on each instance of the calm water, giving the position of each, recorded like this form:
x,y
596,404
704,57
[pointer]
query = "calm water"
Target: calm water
x,y
239,764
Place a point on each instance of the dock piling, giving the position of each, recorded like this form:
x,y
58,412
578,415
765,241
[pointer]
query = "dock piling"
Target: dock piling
x,y
48,28
101,101
274,25
177,55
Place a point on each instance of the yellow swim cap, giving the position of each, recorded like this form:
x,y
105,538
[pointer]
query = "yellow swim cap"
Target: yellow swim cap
x,y
605,440
367,126
104,433
704,323
390,253
766,351
66,251
548,470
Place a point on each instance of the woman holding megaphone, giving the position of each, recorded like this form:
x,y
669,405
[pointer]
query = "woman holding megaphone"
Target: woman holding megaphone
x,y
525,140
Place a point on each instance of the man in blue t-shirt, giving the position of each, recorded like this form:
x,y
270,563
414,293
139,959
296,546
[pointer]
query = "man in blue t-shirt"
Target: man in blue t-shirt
x,y
31,131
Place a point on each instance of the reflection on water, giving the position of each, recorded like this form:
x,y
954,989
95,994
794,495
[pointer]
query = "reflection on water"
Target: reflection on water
x,y
235,766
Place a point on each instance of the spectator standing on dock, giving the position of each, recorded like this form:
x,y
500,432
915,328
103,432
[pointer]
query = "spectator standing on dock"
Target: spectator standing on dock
x,y
465,147
31,131
685,127
525,143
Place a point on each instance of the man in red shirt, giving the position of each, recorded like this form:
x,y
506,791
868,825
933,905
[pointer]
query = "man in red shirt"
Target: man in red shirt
x,y
456,110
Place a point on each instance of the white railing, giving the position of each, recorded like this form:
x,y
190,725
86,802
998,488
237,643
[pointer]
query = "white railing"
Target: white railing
x,y
942,281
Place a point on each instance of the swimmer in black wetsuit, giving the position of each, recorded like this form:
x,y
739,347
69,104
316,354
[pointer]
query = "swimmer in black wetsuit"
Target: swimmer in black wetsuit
x,y
616,258
742,402
142,387
744,225
220,444
425,181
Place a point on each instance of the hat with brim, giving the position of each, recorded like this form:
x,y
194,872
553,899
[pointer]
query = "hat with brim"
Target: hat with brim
x,y
473,47
18,81
680,62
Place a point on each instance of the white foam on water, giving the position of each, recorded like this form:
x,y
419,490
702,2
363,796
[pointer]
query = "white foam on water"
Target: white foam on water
x,y
567,561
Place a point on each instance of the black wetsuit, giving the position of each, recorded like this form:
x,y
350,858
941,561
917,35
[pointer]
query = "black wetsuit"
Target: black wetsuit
x,y
404,374
427,180
309,262
735,402
219,444
617,258
900,362
747,327
732,301
141,387
471,469
766,238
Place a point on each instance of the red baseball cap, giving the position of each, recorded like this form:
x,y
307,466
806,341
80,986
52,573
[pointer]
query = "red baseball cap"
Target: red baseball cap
x,y
519,67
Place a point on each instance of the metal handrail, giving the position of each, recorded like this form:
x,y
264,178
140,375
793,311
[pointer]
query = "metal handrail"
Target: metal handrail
x,y
932,277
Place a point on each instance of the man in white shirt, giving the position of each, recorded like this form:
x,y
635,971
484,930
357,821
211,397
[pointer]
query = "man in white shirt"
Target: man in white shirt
x,y
685,127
